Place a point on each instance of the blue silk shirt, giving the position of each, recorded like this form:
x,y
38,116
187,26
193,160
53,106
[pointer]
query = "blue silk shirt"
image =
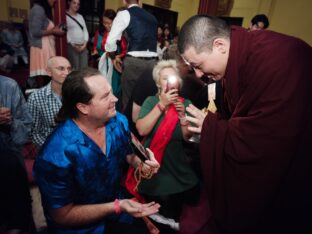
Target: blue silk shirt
x,y
71,168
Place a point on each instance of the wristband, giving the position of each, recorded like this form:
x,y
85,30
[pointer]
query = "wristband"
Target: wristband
x,y
160,107
117,208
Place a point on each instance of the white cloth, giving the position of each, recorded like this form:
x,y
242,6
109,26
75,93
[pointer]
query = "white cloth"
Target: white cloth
x,y
167,221
104,63
120,23
74,33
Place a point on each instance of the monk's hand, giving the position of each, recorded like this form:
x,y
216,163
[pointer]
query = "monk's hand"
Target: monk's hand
x,y
197,118
180,108
137,209
151,164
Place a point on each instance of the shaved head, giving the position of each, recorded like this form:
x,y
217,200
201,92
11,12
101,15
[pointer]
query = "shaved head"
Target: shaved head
x,y
200,31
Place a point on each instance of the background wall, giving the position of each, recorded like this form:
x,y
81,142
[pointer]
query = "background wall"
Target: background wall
x,y
15,10
4,11
286,16
185,8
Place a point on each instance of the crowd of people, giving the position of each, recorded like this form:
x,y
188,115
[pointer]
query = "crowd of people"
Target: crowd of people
x,y
223,118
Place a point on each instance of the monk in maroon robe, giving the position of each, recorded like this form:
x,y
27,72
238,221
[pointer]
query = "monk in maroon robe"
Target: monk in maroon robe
x,y
256,153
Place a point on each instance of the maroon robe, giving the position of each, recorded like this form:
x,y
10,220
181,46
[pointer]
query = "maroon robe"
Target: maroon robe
x,y
257,162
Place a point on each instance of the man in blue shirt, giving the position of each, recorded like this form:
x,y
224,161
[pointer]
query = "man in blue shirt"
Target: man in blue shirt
x,y
80,166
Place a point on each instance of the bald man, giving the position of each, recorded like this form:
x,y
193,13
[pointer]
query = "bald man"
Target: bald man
x,y
45,102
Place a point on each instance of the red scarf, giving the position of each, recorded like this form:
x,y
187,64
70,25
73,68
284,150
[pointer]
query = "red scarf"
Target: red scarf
x,y
158,145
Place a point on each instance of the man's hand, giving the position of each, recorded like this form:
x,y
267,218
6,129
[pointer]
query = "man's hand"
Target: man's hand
x,y
196,119
137,209
117,62
5,116
151,163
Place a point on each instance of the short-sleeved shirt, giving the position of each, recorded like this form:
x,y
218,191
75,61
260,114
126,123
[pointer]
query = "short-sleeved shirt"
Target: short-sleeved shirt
x,y
71,168
175,174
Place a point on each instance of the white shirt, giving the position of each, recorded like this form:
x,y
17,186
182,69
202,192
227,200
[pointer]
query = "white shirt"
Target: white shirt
x,y
74,33
120,23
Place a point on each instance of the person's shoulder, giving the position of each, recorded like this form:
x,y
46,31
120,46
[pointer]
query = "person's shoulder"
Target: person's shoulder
x,y
65,133
39,93
121,118
151,100
37,8
60,141
119,122
7,82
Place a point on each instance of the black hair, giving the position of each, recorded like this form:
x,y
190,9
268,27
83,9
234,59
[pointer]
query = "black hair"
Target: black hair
x,y
109,13
200,31
260,18
75,90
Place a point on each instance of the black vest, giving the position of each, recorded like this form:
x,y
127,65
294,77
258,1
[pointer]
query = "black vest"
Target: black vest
x,y
141,31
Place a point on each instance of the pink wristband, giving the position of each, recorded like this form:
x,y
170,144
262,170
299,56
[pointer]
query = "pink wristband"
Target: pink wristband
x,y
117,207
160,107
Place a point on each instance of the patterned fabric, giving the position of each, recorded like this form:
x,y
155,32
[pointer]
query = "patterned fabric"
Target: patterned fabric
x,y
71,168
43,106
15,135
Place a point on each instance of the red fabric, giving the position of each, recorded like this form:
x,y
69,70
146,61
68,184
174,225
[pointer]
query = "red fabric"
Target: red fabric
x,y
96,35
123,47
257,163
164,133
123,43
158,145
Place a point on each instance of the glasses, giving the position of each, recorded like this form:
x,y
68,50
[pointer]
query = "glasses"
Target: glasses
x,y
62,69
194,67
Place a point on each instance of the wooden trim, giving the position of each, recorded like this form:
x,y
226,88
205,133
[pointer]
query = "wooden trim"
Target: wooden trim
x,y
58,18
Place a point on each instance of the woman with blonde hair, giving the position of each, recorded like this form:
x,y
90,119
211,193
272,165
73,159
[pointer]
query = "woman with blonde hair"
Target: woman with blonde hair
x,y
163,123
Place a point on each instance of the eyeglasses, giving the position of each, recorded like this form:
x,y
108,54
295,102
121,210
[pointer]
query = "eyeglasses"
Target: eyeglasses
x,y
194,67
62,69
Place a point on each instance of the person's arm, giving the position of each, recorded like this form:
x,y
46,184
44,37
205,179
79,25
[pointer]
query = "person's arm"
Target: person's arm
x,y
36,23
78,215
4,38
85,32
95,41
148,165
120,23
33,106
179,105
135,111
20,39
146,124
21,118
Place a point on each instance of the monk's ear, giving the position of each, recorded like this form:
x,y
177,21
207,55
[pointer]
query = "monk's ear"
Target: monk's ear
x,y
83,108
220,44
